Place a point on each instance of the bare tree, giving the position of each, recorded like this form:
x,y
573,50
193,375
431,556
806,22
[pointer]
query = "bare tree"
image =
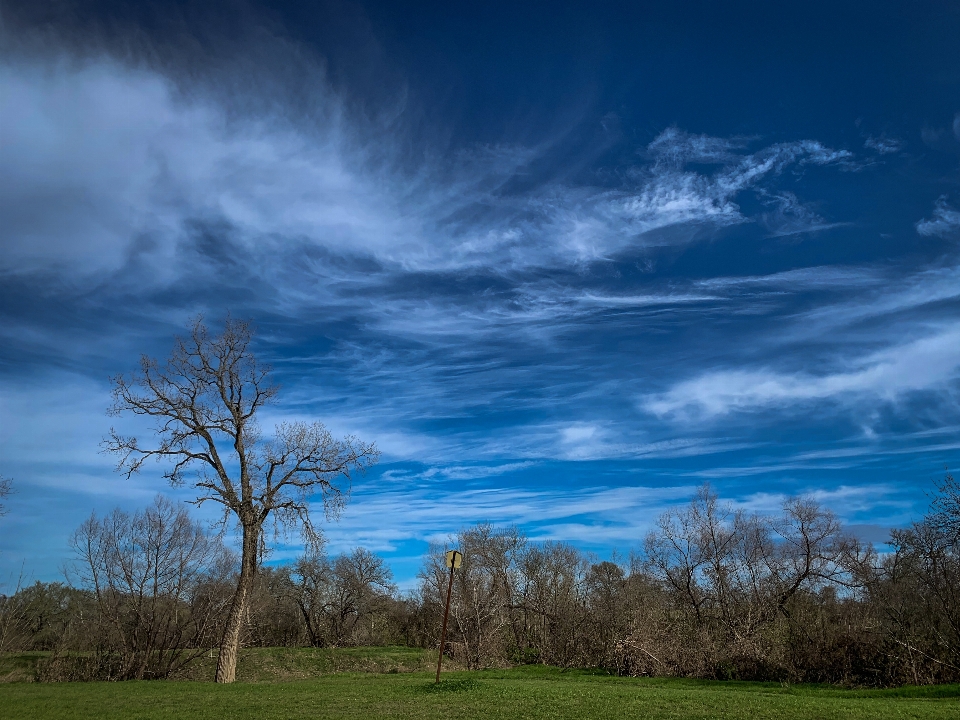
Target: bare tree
x,y
554,600
147,571
916,589
362,584
273,618
6,487
484,593
342,600
946,508
812,551
205,399
10,609
733,577
606,589
311,579
12,614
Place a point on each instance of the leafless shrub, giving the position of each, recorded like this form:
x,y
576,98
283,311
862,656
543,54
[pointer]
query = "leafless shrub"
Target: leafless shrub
x,y
150,573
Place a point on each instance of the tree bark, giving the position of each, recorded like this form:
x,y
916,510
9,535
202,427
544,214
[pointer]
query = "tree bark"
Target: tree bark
x,y
230,644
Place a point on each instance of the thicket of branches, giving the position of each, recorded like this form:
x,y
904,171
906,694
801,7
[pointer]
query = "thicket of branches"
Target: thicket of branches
x,y
712,592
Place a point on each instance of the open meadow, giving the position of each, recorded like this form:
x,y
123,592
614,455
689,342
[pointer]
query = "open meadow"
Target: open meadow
x,y
280,683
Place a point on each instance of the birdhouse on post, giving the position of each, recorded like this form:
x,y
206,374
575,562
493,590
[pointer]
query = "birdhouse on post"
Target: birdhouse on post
x,y
453,558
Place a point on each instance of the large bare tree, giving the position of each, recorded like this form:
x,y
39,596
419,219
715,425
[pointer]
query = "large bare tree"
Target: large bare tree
x,y
205,399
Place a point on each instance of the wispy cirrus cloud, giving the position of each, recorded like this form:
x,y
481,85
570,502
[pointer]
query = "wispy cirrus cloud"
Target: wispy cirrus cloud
x,y
791,217
852,499
591,516
820,277
489,312
432,511
676,148
877,297
475,472
670,194
924,364
128,163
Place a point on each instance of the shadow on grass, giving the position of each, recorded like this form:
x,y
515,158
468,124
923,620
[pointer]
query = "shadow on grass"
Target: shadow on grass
x,y
450,685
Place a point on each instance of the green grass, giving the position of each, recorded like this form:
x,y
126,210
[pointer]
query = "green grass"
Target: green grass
x,y
273,664
529,692
20,666
268,664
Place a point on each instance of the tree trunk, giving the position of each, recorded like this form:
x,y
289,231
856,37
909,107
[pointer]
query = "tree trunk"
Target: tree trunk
x,y
316,639
230,644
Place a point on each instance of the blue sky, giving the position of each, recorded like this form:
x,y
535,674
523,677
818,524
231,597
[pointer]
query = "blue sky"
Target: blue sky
x,y
562,263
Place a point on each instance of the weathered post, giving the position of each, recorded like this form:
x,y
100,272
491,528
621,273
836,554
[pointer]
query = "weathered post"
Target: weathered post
x,y
453,558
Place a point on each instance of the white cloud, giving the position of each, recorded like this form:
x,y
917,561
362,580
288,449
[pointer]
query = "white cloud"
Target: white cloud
x,y
669,195
103,162
676,148
475,472
852,498
823,277
879,297
435,509
629,301
792,217
945,220
923,364
593,515
883,144
578,434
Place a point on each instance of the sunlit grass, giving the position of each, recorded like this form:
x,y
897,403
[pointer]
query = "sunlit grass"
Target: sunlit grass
x,y
529,692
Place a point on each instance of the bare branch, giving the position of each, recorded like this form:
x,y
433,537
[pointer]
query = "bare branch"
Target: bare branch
x,y
204,400
6,488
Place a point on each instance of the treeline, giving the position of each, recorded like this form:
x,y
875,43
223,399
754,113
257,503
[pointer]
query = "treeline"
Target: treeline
x,y
712,593
716,593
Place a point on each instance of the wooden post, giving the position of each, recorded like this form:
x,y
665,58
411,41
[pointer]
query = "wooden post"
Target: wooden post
x,y
453,559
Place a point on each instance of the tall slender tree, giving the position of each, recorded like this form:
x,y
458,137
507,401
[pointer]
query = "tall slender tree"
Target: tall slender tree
x,y
205,399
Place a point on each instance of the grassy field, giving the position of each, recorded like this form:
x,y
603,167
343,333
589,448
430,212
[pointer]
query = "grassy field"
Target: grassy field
x,y
528,692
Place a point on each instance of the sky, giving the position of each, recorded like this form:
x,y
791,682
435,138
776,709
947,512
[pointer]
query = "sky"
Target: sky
x,y
563,262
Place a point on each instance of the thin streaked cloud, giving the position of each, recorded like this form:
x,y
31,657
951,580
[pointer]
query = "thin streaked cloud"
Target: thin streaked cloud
x,y
554,299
